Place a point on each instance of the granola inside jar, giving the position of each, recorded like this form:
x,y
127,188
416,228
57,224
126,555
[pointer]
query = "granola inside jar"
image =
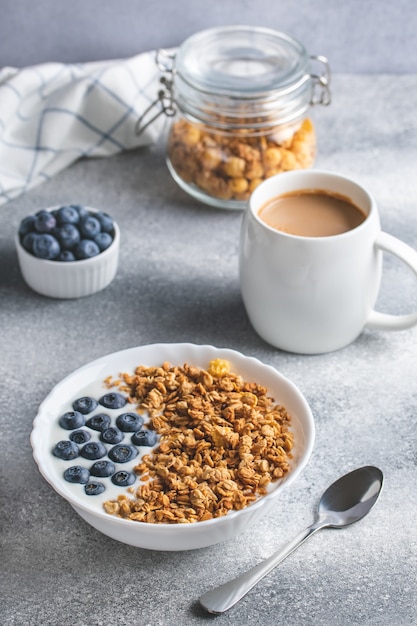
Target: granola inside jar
x,y
219,167
240,98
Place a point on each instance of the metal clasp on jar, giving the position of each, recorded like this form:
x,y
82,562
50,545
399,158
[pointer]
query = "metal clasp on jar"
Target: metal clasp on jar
x,y
164,103
321,91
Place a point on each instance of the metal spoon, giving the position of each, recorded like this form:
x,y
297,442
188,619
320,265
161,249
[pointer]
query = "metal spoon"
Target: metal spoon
x,y
346,501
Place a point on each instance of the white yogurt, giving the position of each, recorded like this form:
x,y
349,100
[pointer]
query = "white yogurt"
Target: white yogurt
x,y
57,433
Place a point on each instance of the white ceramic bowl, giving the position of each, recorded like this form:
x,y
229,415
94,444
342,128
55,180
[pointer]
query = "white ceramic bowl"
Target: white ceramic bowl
x,y
84,381
75,279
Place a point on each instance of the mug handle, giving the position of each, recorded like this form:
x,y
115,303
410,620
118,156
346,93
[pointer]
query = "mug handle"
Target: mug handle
x,y
384,321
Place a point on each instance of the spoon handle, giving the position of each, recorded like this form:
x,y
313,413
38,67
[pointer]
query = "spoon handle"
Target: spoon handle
x,y
225,596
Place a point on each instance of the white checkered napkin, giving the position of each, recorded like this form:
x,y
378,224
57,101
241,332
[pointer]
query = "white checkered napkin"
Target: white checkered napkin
x,y
53,114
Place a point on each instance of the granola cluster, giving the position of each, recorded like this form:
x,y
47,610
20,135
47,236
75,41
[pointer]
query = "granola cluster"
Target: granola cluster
x,y
229,166
222,442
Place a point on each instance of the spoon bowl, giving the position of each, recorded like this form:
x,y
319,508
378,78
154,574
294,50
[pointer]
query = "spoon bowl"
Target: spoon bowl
x,y
350,497
346,501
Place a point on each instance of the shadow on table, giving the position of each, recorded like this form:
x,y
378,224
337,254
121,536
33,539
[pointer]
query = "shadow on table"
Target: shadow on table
x,y
10,277
201,310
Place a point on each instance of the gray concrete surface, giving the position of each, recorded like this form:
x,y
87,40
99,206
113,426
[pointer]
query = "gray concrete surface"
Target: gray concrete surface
x,y
178,281
357,35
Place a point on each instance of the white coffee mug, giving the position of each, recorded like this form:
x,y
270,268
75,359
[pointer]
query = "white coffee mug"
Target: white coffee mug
x,y
313,295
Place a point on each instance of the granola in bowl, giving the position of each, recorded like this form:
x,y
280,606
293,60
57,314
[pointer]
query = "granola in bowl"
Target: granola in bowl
x,y
229,433
223,440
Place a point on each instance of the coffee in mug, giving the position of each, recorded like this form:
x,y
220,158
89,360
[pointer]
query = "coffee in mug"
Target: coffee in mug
x,y
314,290
311,213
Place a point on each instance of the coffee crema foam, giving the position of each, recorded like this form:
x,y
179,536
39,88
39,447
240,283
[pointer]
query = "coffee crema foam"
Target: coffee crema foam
x,y
311,213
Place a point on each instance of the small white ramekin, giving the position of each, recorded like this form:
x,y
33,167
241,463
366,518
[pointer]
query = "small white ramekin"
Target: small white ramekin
x,y
74,279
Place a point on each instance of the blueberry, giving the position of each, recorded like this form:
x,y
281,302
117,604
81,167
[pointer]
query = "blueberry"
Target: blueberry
x,y
103,469
144,438
72,420
27,241
129,422
86,249
103,240
65,255
27,225
80,436
46,247
44,222
82,211
122,453
99,422
106,222
66,450
94,488
77,474
113,401
90,227
67,215
85,405
111,435
68,236
93,450
123,479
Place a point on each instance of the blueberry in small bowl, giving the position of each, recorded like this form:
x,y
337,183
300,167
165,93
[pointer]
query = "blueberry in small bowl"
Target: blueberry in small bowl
x,y
45,222
68,214
86,249
68,236
68,251
89,227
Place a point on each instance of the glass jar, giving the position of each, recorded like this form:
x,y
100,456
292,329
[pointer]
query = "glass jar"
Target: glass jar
x,y
240,98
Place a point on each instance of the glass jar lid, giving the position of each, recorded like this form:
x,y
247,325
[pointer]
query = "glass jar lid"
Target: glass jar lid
x,y
238,77
243,60
243,76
